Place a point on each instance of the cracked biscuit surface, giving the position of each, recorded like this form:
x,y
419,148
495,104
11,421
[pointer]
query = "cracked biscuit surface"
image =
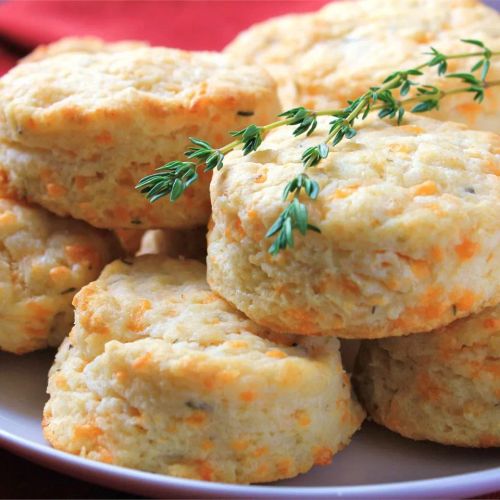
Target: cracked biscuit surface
x,y
78,130
409,230
443,386
323,59
161,374
44,261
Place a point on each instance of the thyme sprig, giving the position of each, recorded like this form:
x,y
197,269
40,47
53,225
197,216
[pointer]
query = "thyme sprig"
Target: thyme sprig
x,y
295,215
175,177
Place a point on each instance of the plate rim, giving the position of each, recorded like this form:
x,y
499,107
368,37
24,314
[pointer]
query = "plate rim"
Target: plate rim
x,y
137,481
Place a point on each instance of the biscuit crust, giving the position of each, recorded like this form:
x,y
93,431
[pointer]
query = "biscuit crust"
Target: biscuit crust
x,y
89,44
78,130
161,374
188,243
409,231
349,46
44,261
442,387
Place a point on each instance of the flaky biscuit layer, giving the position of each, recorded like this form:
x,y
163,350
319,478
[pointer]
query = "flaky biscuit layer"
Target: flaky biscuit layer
x,y
78,130
323,59
409,230
44,261
443,386
161,374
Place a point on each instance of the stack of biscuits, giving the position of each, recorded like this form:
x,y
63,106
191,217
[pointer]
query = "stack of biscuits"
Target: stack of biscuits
x,y
231,371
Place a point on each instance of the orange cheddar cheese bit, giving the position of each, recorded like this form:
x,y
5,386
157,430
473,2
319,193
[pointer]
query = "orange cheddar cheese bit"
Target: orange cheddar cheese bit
x,y
276,353
323,456
59,274
55,190
142,361
466,249
427,188
248,396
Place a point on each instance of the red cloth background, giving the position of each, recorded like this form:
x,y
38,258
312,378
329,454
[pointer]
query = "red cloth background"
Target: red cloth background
x,y
193,24
201,25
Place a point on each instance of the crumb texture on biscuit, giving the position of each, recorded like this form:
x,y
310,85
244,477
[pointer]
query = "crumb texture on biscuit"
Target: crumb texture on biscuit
x,y
347,47
44,261
443,386
409,226
79,129
161,374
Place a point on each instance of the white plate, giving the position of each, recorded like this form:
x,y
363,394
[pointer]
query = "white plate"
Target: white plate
x,y
377,464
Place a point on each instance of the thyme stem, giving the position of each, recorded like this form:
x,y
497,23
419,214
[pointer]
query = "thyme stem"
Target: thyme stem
x,y
175,177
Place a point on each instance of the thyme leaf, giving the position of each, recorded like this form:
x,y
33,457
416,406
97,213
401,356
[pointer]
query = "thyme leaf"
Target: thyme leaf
x,y
398,92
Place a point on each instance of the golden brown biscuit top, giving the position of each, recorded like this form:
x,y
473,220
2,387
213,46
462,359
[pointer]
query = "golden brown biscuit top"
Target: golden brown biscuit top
x,y
107,98
348,46
161,298
354,30
475,334
470,347
405,184
80,44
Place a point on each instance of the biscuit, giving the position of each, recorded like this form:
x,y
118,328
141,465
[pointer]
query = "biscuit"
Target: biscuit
x,y
188,243
161,374
443,386
44,260
87,44
409,241
79,130
348,47
130,239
